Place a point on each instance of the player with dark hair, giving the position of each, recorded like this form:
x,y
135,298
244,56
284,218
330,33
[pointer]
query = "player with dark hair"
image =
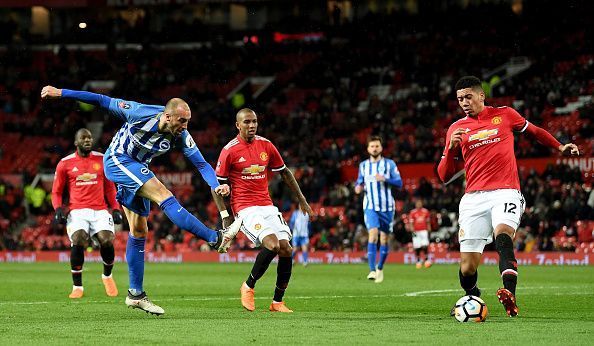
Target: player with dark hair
x,y
376,174
90,193
150,131
492,204
245,162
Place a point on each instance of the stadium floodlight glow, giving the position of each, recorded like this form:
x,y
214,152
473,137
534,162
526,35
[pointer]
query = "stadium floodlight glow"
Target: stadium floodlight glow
x,y
82,25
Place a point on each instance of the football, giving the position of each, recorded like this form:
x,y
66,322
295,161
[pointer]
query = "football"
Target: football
x,y
470,309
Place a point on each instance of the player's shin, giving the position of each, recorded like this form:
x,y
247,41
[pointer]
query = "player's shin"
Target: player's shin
x,y
283,275
108,256
384,250
371,255
265,256
508,266
135,259
468,283
77,259
184,220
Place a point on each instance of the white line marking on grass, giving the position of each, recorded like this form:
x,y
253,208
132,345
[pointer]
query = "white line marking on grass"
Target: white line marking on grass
x,y
444,292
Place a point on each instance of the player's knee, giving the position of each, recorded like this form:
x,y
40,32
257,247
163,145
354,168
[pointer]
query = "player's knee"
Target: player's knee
x,y
468,268
105,238
285,250
80,238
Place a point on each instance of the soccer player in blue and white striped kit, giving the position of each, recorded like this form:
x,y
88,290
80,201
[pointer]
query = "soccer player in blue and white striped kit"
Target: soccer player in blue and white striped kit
x,y
376,175
299,225
150,131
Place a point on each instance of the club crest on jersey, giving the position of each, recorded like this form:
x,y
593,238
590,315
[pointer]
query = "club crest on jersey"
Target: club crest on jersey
x,y
253,169
144,171
123,105
257,227
263,156
496,120
165,145
484,134
96,166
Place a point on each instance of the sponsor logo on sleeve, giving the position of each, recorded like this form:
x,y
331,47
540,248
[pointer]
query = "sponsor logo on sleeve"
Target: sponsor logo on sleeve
x,y
190,142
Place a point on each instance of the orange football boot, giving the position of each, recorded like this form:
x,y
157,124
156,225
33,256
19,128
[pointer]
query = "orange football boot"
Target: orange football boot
x,y
110,286
247,297
279,307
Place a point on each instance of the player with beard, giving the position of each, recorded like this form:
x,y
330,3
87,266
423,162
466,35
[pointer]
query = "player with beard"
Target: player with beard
x,y
376,176
80,174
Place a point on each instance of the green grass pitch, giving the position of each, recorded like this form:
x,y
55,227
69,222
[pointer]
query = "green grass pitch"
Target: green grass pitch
x,y
334,304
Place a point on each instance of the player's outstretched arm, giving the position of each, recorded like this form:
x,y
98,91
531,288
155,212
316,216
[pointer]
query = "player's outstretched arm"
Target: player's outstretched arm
x,y
547,139
51,92
289,179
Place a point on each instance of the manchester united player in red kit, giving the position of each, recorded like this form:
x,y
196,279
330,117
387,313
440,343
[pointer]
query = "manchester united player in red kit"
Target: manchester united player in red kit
x,y
419,224
81,174
492,203
244,163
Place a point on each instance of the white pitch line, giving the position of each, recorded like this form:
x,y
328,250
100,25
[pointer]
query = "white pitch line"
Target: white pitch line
x,y
444,292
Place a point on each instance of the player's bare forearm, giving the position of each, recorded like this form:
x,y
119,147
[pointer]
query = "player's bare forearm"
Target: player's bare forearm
x,y
289,179
219,201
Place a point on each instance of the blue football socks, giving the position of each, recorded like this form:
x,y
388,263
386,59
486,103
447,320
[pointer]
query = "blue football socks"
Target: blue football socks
x,y
135,259
383,255
184,220
371,254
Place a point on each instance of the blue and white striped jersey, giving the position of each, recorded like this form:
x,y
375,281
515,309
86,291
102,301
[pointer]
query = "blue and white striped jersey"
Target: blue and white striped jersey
x,y
299,224
378,195
139,137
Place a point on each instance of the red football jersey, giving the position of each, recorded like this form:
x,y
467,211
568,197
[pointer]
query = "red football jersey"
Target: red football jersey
x,y
85,182
488,148
419,219
245,166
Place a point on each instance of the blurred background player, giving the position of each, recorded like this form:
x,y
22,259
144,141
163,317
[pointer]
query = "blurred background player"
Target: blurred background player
x,y
299,225
150,131
492,204
90,194
244,162
419,225
376,175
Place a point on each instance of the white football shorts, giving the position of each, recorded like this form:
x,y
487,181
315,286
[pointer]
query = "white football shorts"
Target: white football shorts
x,y
482,211
260,221
89,220
420,239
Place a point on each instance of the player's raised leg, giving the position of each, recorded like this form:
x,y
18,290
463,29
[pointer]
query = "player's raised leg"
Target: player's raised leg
x,y
283,275
79,242
105,239
135,248
155,191
508,267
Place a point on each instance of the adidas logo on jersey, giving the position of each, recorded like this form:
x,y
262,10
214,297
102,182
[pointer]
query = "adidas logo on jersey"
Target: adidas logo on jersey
x,y
75,169
241,159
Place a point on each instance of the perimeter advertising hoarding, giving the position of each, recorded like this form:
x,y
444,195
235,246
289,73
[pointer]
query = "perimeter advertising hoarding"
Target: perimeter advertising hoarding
x,y
532,258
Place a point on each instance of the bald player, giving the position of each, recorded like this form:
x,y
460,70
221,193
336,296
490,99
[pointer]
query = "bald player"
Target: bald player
x,y
245,162
150,131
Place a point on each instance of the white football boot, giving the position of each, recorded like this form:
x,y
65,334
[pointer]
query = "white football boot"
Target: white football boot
x,y
143,303
228,234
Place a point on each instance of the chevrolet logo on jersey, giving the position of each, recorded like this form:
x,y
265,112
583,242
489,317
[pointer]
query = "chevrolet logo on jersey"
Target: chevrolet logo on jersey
x,y
484,134
86,177
253,169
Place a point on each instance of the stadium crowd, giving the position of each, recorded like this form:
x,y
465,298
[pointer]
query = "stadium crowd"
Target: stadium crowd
x,y
326,86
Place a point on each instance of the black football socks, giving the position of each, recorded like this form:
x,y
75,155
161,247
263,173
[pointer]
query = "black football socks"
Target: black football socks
x,y
263,260
508,266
